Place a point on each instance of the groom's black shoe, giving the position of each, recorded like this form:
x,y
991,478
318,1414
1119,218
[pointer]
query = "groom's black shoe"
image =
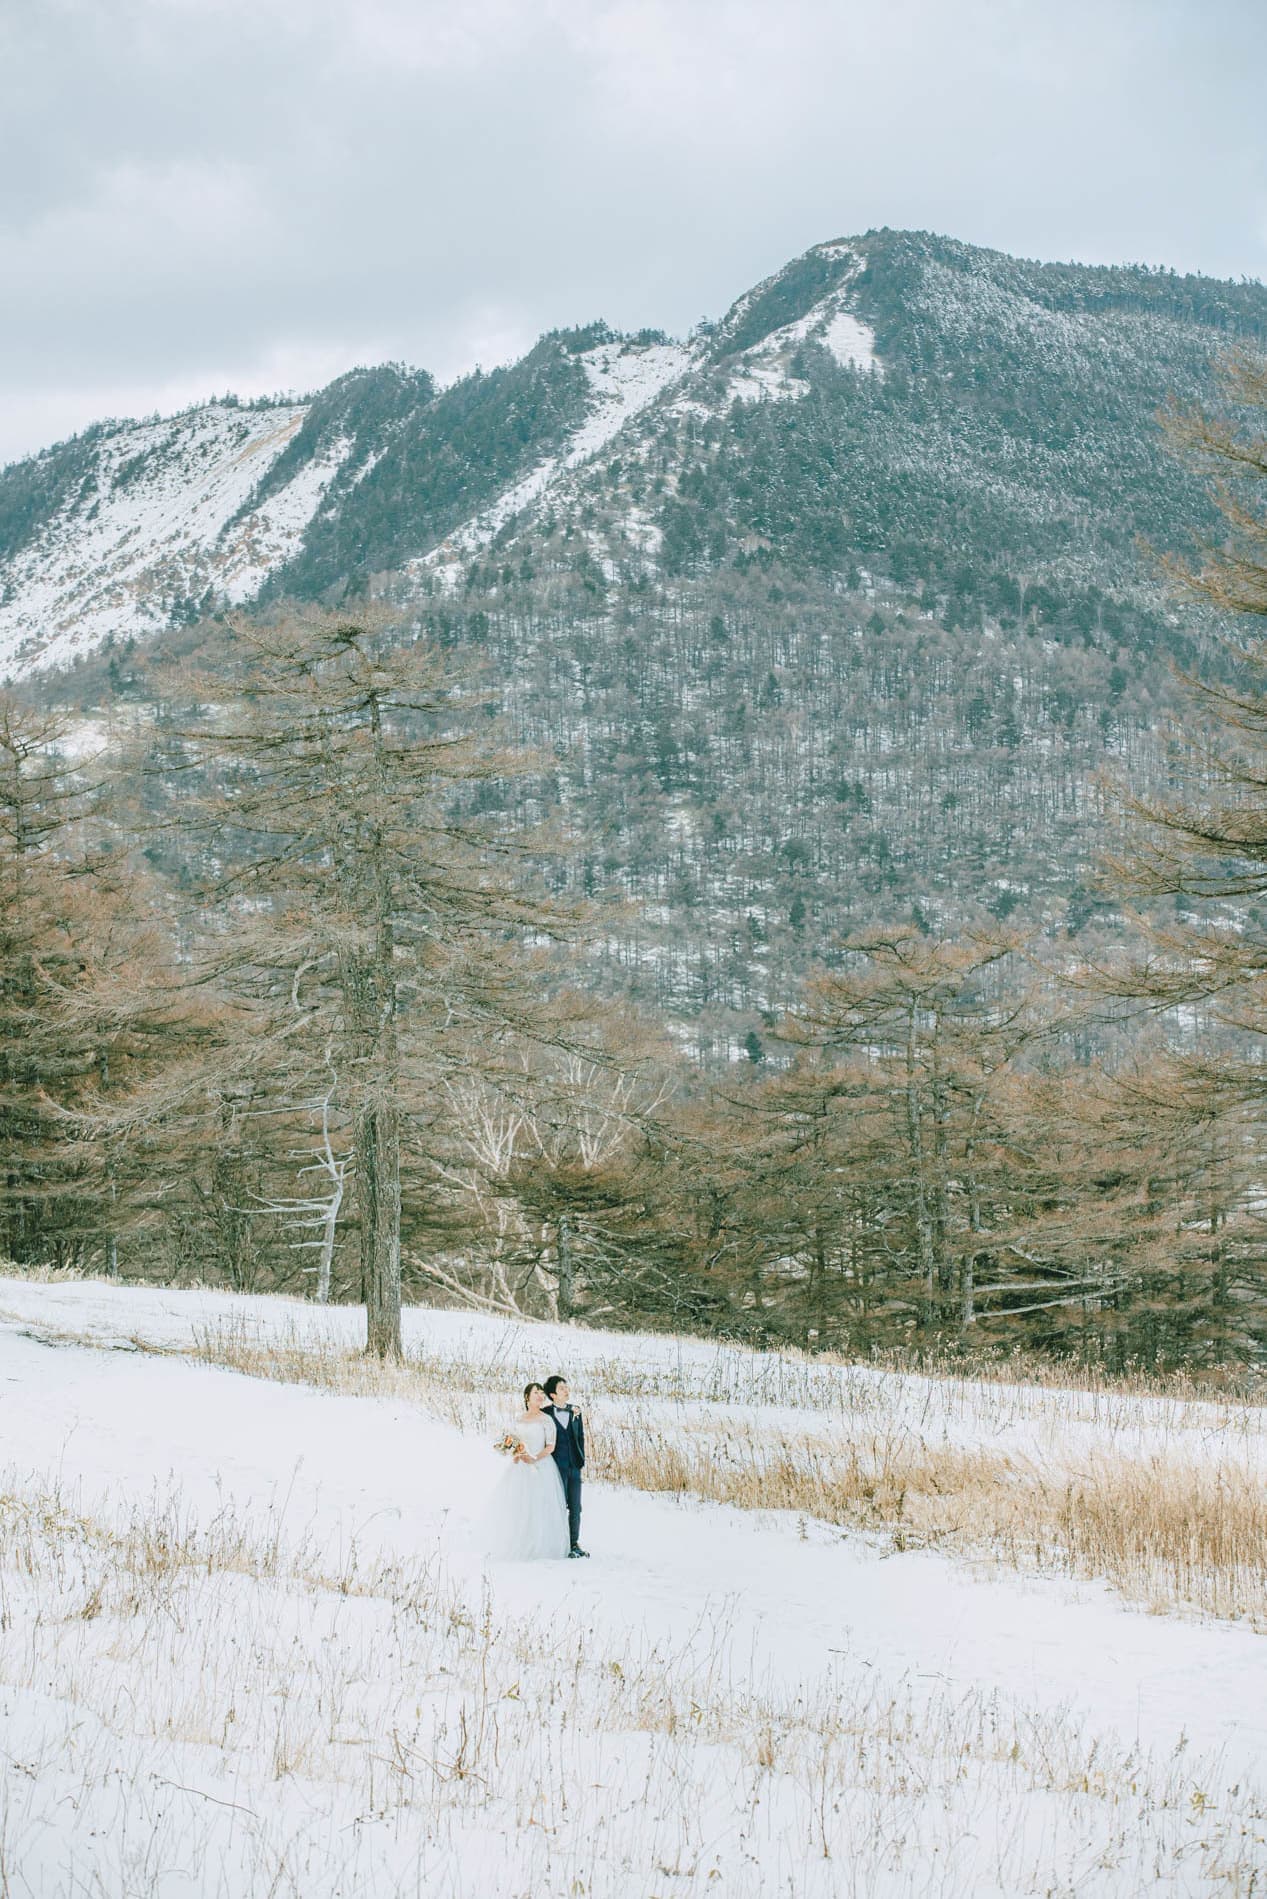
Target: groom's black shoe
x,y
576,1550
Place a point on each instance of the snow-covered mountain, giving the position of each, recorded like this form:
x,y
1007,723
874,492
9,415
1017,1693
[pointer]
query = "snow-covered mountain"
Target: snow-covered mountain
x,y
835,609
150,523
968,414
136,525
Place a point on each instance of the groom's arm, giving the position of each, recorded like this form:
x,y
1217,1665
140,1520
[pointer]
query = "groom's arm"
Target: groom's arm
x,y
578,1432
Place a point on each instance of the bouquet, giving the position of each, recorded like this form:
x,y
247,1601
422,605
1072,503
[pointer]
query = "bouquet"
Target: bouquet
x,y
509,1444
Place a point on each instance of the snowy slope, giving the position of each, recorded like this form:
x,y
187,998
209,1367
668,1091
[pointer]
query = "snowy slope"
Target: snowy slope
x,y
765,370
152,529
633,383
959,1733
625,379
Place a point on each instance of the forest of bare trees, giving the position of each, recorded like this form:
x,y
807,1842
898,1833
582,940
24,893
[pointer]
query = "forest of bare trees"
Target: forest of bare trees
x,y
293,995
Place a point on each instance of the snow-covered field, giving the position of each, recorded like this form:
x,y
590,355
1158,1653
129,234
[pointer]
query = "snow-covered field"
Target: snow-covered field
x,y
249,1645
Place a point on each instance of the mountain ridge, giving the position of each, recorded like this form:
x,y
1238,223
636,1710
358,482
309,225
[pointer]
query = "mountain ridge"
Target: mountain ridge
x,y
388,426
383,470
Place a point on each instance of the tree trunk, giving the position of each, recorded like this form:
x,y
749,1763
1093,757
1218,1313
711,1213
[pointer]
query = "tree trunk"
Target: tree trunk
x,y
377,1146
377,1126
940,1193
818,1287
565,1299
923,1219
325,1256
330,1220
967,1287
112,1243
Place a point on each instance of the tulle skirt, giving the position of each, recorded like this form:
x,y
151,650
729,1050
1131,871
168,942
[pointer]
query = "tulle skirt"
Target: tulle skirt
x,y
527,1517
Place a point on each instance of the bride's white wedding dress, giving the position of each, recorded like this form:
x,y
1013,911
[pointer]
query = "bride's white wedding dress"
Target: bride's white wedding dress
x,y
527,1517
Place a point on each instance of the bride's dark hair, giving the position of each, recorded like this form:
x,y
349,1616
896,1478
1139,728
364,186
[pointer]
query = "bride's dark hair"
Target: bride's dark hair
x,y
529,1389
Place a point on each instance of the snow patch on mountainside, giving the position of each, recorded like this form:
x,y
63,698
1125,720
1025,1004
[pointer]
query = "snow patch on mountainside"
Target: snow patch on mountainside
x,y
271,534
851,341
765,376
624,379
764,371
152,530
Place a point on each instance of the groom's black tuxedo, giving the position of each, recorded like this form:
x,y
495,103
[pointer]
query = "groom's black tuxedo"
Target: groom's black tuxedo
x,y
569,1455
569,1440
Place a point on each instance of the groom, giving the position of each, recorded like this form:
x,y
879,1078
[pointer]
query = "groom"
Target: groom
x,y
569,1454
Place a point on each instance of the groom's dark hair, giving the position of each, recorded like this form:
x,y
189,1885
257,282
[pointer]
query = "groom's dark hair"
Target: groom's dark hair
x,y
553,1382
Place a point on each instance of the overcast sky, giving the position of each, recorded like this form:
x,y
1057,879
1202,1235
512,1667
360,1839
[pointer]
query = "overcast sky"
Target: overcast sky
x,y
201,195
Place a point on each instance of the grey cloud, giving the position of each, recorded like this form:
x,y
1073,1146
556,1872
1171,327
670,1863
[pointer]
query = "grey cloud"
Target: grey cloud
x,y
200,194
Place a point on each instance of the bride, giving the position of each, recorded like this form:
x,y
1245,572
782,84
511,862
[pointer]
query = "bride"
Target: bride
x,y
527,1515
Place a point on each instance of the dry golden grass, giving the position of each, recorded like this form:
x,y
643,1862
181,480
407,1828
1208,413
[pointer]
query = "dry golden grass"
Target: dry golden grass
x,y
1167,1530
1166,1533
